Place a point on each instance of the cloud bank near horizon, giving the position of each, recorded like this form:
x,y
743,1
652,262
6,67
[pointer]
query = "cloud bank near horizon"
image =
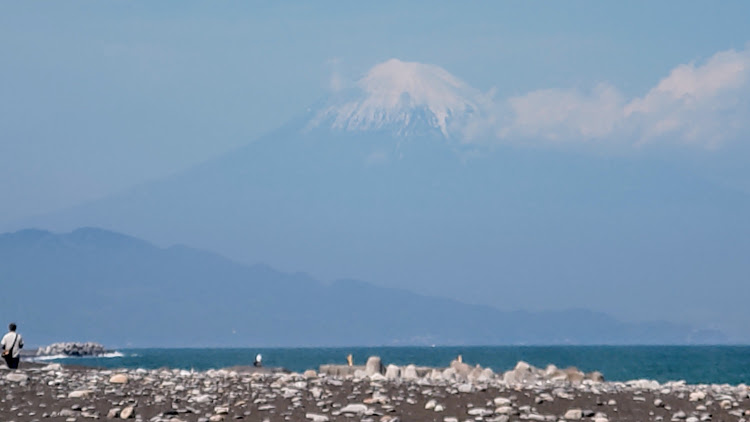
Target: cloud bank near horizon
x,y
701,104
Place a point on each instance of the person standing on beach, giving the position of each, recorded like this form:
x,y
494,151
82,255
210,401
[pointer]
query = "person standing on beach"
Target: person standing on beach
x,y
12,344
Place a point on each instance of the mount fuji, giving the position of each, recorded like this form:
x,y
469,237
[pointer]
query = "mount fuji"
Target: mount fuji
x,y
382,182
405,99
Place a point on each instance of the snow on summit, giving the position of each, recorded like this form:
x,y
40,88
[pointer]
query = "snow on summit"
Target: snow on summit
x,y
404,98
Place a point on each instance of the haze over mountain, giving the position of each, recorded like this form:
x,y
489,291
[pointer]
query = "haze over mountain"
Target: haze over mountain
x,y
96,285
380,183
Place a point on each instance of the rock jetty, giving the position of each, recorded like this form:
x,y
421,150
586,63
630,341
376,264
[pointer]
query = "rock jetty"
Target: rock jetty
x,y
72,349
376,392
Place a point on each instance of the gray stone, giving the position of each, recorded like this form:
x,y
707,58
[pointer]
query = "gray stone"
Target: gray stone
x,y
679,415
16,377
392,372
410,373
465,388
697,396
463,370
374,365
316,417
113,413
77,394
127,413
354,408
573,414
504,410
480,411
118,379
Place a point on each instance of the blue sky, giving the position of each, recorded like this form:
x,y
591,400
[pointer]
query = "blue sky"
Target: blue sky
x,y
97,97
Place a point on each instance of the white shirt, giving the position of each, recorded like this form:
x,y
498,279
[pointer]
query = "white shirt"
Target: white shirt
x,y
8,340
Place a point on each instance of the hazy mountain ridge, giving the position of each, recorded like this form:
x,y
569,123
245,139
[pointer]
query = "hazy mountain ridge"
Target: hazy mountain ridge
x,y
143,295
407,206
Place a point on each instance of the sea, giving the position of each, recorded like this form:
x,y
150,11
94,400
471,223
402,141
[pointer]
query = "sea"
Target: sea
x,y
693,364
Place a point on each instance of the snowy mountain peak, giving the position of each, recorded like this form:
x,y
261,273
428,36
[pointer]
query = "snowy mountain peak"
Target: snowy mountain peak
x,y
403,98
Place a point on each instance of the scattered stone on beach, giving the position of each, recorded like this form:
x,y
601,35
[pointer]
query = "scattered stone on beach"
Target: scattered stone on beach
x,y
113,413
127,413
78,394
314,417
16,377
118,379
573,414
390,393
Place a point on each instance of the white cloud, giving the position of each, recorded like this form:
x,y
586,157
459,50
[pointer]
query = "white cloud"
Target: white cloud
x,y
703,104
563,115
695,104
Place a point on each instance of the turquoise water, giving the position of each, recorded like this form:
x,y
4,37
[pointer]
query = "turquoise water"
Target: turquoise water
x,y
694,364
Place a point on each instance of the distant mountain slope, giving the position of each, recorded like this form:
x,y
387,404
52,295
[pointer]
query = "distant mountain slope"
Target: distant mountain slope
x,y
377,185
97,285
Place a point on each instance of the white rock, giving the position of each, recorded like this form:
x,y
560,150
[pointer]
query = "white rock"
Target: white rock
x,y
439,408
449,374
316,417
573,414
221,410
203,398
479,411
354,408
378,377
392,372
504,410
697,396
127,413
501,401
77,394
118,379
374,365
430,404
52,367
465,388
410,373
16,377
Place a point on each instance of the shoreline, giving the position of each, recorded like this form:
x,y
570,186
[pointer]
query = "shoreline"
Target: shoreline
x,y
372,392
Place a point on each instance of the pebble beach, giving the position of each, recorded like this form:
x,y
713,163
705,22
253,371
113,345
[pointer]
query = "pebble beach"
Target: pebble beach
x,y
371,392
